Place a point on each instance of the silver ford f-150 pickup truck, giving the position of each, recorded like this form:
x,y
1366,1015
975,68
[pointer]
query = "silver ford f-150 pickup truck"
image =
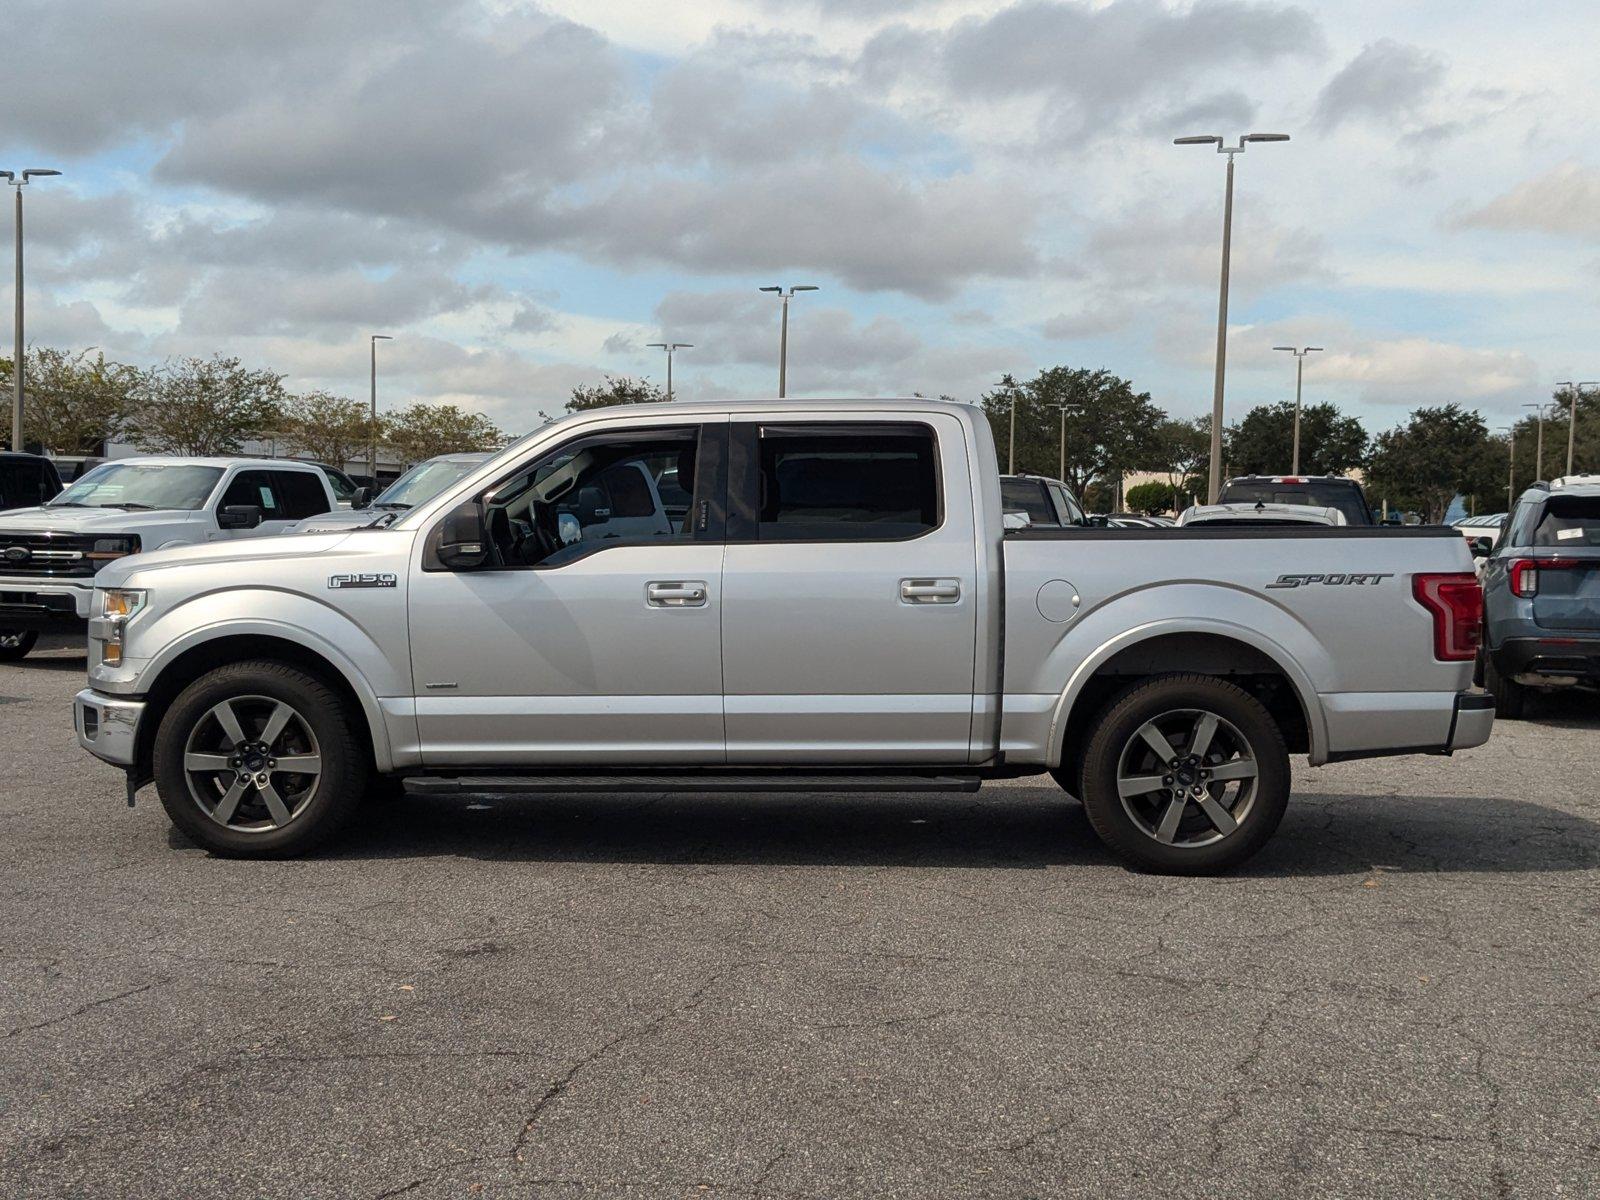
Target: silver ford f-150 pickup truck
x,y
837,607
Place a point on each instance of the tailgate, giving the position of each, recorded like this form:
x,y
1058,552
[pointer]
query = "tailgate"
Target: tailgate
x,y
1568,535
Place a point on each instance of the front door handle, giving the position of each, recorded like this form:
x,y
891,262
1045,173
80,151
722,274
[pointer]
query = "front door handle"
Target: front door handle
x,y
930,591
676,593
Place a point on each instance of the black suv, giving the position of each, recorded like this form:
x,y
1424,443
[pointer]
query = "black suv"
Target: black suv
x,y
26,480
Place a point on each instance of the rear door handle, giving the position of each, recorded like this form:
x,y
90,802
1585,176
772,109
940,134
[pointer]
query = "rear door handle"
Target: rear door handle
x,y
676,593
930,591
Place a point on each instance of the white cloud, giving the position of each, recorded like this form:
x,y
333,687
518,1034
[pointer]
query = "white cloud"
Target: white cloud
x,y
1564,201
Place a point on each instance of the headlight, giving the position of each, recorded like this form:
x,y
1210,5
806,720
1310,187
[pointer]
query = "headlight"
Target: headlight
x,y
121,603
107,548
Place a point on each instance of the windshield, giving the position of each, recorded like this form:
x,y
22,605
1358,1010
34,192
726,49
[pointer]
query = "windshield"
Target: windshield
x,y
1344,496
129,485
422,483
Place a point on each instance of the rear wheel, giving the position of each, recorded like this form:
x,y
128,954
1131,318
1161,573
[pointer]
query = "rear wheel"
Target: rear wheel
x,y
1510,697
1185,774
258,760
15,643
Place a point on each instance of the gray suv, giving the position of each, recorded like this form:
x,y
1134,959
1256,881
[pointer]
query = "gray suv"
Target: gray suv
x,y
1541,593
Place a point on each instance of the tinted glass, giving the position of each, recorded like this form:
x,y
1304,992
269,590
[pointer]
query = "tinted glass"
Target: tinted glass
x,y
1071,514
1569,522
302,494
255,487
1343,496
24,484
124,485
877,485
1027,496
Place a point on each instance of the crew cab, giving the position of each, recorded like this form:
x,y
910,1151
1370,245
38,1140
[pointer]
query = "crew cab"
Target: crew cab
x,y
838,607
50,554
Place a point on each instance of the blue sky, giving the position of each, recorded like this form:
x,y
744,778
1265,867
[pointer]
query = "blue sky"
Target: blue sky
x,y
526,195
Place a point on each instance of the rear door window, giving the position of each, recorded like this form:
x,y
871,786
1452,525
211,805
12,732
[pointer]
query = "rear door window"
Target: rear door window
x,y
1028,496
846,482
302,494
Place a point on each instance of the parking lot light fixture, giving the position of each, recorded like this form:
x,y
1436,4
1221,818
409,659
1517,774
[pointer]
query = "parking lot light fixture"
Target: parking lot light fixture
x,y
1538,454
18,364
1299,376
671,348
783,334
1574,393
1211,139
372,431
1061,470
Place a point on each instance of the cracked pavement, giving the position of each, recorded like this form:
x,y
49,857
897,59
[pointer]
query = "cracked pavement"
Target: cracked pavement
x,y
778,996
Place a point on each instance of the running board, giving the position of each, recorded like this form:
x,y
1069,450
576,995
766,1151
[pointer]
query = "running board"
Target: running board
x,y
707,781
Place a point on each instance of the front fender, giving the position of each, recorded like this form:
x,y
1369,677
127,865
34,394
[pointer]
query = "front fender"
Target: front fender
x,y
1242,616
351,648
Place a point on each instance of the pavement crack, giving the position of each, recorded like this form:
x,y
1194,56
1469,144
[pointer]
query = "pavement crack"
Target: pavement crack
x,y
83,1008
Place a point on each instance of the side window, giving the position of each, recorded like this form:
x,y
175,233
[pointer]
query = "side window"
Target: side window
x,y
1071,514
1028,496
343,489
607,490
846,482
302,494
255,487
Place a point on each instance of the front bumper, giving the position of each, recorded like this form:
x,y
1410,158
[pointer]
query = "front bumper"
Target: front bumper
x,y
43,604
108,727
1550,661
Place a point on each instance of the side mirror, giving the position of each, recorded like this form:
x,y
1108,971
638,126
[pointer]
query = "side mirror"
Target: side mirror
x,y
239,516
1482,547
1097,521
362,497
463,538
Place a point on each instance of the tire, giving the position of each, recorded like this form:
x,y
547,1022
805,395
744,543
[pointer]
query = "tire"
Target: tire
x,y
1184,820
1510,697
209,767
15,643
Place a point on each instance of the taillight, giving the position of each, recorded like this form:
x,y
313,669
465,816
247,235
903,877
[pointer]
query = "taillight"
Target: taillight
x,y
1456,602
1524,573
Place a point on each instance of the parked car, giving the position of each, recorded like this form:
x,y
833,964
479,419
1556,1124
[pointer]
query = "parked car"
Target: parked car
x,y
1541,593
842,610
26,480
1484,525
422,482
1259,515
50,554
1315,491
1047,503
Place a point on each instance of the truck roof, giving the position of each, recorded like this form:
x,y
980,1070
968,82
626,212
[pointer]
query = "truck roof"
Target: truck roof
x,y
167,460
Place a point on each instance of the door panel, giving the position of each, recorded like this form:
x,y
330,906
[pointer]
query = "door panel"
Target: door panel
x,y
604,652
847,650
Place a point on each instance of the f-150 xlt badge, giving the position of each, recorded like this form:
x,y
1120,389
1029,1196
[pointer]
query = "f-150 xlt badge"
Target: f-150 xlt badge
x,y
363,580
1357,578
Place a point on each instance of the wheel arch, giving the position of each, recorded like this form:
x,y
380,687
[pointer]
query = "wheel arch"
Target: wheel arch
x,y
185,663
1218,648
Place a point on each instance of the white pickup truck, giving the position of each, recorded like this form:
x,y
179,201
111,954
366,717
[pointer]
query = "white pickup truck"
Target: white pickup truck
x,y
838,607
50,554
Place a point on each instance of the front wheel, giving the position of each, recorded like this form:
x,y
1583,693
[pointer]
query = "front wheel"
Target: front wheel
x,y
1185,774
15,643
259,760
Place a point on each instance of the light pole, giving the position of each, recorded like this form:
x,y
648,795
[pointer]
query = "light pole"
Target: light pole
x,y
783,335
1215,486
372,430
18,182
1061,470
670,348
1538,454
1574,391
1299,374
1511,467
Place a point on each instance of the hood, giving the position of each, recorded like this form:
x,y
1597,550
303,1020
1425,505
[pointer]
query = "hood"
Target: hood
x,y
343,520
243,550
88,520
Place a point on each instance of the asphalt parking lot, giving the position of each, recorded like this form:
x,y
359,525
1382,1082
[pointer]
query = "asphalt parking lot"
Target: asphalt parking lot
x,y
804,996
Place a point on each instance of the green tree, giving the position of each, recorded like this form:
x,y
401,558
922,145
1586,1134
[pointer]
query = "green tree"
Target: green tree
x,y
1438,453
1263,443
1154,498
75,403
331,429
614,391
1586,445
421,431
1111,432
1184,450
202,406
